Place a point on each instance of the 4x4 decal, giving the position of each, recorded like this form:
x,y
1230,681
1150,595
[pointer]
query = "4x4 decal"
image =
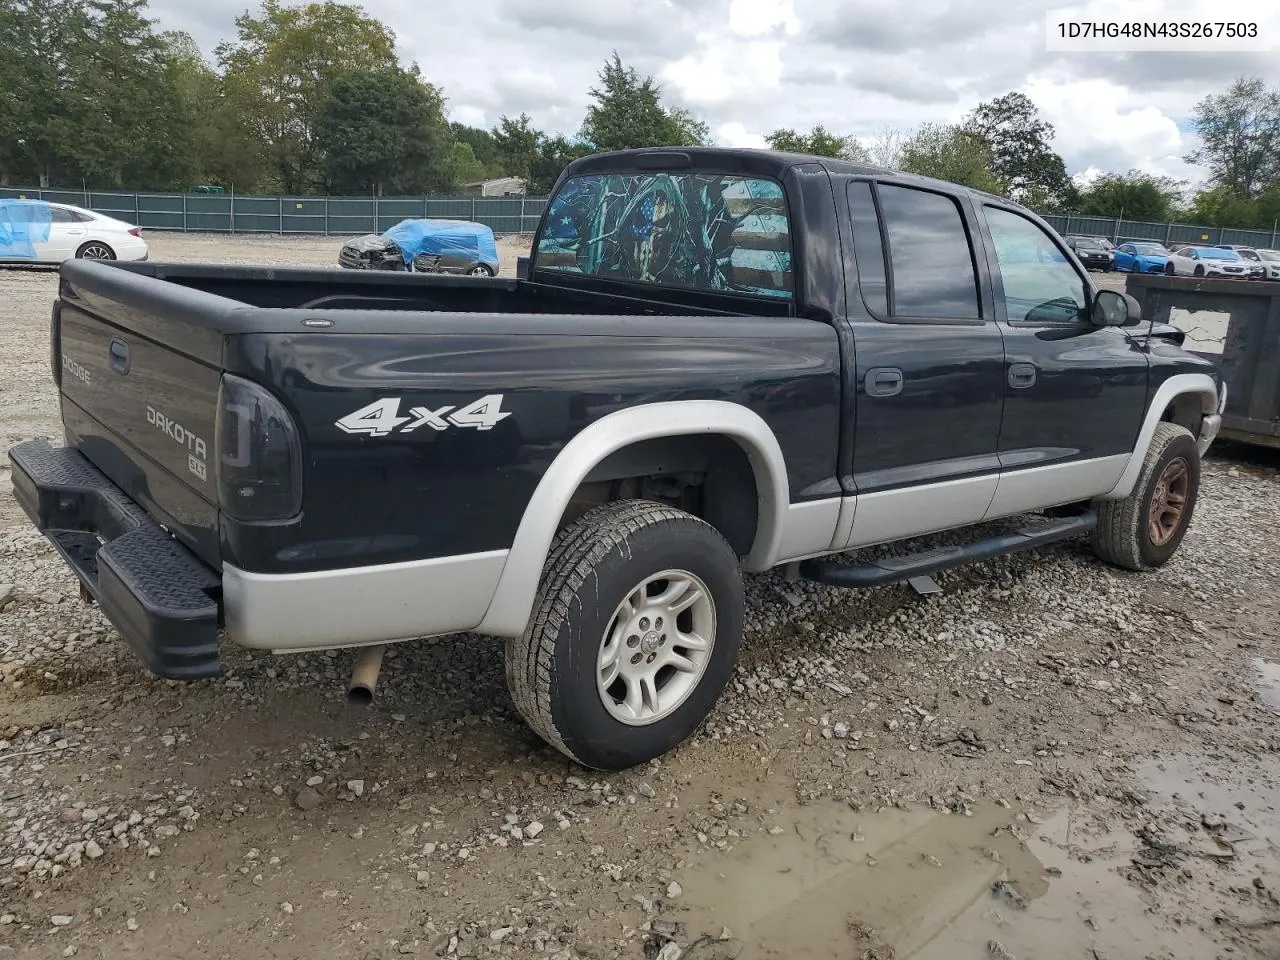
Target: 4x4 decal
x,y
382,417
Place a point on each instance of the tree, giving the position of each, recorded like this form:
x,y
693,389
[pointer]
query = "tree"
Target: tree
x,y
515,145
952,153
885,149
554,154
278,72
818,142
1240,137
462,167
482,147
36,86
627,113
1020,152
1134,196
382,131
689,130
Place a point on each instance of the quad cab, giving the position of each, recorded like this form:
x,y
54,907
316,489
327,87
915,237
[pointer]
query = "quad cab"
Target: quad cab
x,y
718,362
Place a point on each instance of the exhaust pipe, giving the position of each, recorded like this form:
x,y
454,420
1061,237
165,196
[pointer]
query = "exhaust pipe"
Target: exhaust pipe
x,y
364,676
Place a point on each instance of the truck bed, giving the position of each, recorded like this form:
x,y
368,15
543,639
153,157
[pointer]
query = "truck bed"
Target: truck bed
x,y
334,289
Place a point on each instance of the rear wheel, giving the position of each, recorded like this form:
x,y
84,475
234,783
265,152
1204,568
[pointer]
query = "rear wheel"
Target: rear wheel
x,y
1144,529
633,636
1168,269
95,250
480,270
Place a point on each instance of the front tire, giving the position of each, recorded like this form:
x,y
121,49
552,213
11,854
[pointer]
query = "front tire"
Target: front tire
x,y
633,636
1144,530
481,270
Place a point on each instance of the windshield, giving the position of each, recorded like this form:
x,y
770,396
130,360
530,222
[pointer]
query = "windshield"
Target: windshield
x,y
710,232
1271,255
1151,250
1212,253
1089,245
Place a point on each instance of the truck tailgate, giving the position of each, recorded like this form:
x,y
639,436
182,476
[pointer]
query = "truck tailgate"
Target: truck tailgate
x,y
143,413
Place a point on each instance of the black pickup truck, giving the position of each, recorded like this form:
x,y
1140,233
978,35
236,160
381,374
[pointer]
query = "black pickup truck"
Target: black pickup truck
x,y
713,361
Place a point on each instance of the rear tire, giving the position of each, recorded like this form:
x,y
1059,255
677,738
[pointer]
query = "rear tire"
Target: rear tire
x,y
480,270
571,673
1144,530
95,250
1169,270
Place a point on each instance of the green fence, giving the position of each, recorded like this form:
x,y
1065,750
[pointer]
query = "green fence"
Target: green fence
x,y
223,213
1170,234
344,216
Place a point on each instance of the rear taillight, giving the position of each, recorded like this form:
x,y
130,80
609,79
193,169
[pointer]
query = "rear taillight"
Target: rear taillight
x,y
259,456
135,232
55,342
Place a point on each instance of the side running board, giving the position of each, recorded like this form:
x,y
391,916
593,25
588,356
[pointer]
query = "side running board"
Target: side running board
x,y
886,570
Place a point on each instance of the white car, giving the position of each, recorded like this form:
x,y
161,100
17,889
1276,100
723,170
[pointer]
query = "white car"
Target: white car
x,y
35,231
1208,262
1271,260
1267,260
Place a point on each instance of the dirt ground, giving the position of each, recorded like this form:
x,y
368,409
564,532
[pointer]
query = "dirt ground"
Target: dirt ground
x,y
1050,759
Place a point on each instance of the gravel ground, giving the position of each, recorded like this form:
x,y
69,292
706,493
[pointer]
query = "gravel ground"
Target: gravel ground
x,y
1048,759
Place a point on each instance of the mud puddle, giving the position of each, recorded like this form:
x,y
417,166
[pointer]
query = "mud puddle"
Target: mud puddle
x,y
1266,677
831,883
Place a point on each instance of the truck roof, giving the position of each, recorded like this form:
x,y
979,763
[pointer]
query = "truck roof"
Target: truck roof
x,y
751,160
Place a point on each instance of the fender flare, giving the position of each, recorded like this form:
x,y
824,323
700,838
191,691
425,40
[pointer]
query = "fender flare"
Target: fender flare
x,y
517,587
1178,385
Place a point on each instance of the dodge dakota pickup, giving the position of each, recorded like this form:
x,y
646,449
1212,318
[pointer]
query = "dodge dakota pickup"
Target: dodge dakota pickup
x,y
713,362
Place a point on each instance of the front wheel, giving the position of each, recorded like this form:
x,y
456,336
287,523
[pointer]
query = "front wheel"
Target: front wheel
x,y
633,637
1143,530
1199,271
480,270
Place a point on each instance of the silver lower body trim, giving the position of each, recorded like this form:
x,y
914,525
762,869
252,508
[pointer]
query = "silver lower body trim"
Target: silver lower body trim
x,y
1209,427
357,606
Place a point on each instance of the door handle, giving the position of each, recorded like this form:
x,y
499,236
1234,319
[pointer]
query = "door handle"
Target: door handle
x,y
883,382
119,352
1022,375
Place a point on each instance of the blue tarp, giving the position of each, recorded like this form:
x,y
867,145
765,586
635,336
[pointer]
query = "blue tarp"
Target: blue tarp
x,y
23,223
445,238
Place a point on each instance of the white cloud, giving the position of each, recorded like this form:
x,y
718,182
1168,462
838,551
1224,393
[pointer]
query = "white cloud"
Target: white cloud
x,y
754,18
1102,124
735,134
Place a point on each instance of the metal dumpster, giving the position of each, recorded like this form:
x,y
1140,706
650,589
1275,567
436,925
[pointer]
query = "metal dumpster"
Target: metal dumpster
x,y
1235,323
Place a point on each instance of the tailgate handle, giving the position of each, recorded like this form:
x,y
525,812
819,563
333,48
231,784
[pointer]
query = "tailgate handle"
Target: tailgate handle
x,y
119,356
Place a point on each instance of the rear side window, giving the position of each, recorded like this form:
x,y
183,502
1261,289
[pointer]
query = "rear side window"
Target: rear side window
x,y
59,215
933,275
706,232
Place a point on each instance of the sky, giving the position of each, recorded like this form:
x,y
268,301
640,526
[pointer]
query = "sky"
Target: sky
x,y
858,67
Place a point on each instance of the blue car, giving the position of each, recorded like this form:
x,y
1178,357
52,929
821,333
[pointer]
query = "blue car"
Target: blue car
x,y
426,246
1142,257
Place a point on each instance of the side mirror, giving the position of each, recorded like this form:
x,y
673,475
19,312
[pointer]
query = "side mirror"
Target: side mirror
x,y
1114,309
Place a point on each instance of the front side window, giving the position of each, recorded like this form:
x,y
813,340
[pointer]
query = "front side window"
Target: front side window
x,y
1040,285
707,232
933,276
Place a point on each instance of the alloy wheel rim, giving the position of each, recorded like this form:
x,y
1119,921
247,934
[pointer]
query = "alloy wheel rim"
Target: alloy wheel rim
x,y
656,648
1169,502
95,251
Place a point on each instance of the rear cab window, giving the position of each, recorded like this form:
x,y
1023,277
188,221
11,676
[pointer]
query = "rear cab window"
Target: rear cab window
x,y
915,258
705,232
